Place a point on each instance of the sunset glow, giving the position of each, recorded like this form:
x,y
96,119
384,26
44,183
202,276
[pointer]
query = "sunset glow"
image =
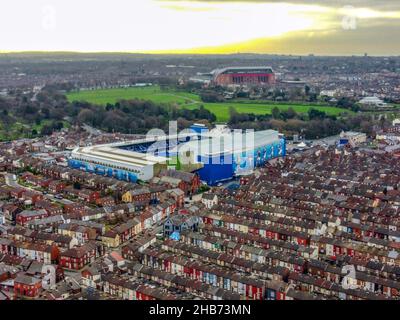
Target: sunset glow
x,y
179,26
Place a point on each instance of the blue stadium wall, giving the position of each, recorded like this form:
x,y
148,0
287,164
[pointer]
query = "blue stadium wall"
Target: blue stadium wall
x,y
103,170
218,169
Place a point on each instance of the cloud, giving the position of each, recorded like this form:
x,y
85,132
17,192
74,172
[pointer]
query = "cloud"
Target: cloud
x,y
372,4
368,39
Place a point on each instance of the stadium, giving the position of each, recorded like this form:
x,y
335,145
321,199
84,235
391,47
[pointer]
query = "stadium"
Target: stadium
x,y
244,76
216,155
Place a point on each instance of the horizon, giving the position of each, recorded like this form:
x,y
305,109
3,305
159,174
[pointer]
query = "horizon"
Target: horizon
x,y
358,55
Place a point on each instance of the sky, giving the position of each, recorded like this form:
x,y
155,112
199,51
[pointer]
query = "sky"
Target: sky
x,y
324,27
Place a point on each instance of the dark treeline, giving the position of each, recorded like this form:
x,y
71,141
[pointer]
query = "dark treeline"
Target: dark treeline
x,y
137,116
133,116
312,125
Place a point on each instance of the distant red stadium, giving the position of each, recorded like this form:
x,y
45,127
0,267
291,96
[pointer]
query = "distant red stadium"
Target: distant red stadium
x,y
250,76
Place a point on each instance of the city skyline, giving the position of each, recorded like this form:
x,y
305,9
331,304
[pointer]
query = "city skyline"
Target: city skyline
x,y
160,26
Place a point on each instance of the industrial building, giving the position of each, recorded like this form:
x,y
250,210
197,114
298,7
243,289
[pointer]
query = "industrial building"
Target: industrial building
x,y
215,155
112,161
372,102
352,138
244,76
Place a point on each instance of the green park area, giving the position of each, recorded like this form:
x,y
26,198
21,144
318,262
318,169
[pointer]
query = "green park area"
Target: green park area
x,y
191,101
153,93
21,129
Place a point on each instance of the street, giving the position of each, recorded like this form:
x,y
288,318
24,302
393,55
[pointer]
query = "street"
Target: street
x,y
11,181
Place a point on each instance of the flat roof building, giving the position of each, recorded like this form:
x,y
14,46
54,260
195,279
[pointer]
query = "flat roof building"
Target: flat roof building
x,y
215,155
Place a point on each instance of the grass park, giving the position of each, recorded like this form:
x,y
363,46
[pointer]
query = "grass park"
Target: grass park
x,y
191,101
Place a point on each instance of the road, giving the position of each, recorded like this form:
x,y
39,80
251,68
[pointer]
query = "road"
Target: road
x,y
52,198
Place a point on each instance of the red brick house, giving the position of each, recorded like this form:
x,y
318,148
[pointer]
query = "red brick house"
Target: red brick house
x,y
45,183
91,277
5,245
79,257
32,196
88,195
51,208
28,177
19,151
137,195
10,211
28,215
27,286
17,193
8,272
56,186
178,195
190,182
244,181
74,208
105,201
155,192
36,251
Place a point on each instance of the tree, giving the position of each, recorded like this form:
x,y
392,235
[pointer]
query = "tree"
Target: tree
x,y
109,107
316,114
45,112
307,90
291,113
367,127
345,102
77,185
46,130
277,124
294,125
113,122
288,114
276,113
233,114
86,116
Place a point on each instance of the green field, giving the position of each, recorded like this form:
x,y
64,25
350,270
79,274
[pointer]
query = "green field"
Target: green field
x,y
221,110
104,96
191,101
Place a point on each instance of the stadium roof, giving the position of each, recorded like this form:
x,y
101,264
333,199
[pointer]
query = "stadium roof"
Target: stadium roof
x,y
231,142
213,143
131,158
242,69
151,138
371,100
